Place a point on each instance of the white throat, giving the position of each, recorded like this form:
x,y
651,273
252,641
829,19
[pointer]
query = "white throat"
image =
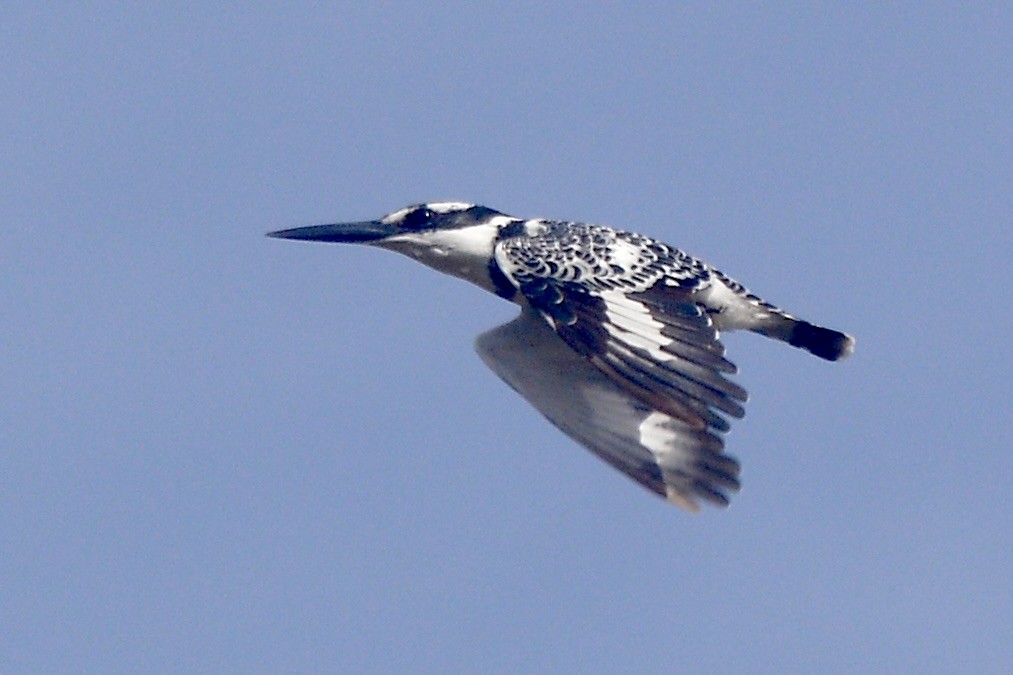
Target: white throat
x,y
464,253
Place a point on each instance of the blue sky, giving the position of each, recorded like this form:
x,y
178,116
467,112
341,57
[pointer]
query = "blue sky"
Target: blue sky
x,y
222,452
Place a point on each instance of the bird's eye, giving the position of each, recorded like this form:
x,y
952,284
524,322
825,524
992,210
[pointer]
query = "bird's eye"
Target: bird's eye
x,y
418,219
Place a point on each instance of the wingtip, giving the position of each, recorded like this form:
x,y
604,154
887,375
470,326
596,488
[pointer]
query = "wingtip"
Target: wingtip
x,y
681,500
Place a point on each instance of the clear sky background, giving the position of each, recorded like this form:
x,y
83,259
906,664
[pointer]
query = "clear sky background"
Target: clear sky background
x,y
222,452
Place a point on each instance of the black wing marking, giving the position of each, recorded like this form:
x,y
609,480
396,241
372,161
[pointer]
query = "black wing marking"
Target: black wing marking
x,y
626,304
670,358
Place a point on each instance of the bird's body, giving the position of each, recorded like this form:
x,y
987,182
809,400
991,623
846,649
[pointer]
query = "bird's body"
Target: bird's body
x,y
617,343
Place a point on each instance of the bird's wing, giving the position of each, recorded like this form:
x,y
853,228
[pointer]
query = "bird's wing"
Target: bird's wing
x,y
637,327
677,460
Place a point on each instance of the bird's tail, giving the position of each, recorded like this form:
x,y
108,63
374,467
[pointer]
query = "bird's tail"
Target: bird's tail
x,y
823,342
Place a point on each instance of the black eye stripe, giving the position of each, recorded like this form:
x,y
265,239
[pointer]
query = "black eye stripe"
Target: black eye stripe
x,y
417,219
422,217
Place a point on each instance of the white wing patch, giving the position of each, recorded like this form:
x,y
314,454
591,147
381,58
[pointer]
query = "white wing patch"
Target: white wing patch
x,y
688,468
631,322
656,435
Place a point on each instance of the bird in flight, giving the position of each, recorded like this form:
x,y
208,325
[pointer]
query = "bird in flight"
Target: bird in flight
x,y
617,343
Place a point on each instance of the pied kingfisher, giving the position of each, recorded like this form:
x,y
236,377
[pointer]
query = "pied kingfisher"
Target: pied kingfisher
x,y
617,340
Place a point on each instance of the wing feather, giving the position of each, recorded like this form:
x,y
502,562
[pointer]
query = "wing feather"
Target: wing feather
x,y
621,334
683,463
645,349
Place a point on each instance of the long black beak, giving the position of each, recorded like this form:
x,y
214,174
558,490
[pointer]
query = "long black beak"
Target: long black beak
x,y
348,233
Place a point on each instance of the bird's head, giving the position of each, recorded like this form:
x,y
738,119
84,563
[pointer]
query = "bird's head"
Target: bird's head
x,y
453,237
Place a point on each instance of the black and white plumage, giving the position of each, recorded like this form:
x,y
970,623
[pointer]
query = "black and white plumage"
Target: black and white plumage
x,y
617,343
